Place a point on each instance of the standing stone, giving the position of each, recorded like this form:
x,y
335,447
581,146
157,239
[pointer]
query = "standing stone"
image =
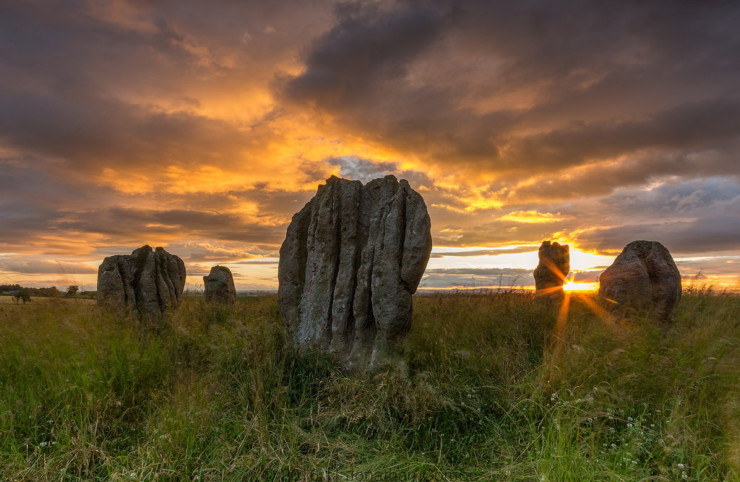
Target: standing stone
x,y
220,285
146,283
550,273
351,259
642,279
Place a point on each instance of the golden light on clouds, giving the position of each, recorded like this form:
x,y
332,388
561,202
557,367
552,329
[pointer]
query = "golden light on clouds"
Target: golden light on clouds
x,y
533,217
204,128
481,203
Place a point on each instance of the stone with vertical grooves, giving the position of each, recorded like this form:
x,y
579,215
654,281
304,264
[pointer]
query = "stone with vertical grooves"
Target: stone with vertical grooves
x,y
643,279
146,283
351,259
553,267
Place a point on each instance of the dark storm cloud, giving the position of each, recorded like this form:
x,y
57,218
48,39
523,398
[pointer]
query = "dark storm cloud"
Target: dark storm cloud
x,y
697,216
39,199
128,223
694,126
277,203
90,132
715,197
206,126
78,46
645,167
32,192
121,84
367,46
706,234
577,65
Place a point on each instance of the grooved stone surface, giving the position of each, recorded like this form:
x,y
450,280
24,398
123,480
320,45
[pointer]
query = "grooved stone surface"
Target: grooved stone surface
x,y
146,283
642,278
351,259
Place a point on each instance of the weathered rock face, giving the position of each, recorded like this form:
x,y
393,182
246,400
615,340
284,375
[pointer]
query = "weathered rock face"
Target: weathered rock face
x,y
146,283
643,278
220,285
351,259
550,273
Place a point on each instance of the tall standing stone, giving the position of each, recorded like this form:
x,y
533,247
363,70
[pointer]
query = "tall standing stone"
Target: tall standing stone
x,y
644,279
351,259
146,283
219,285
553,267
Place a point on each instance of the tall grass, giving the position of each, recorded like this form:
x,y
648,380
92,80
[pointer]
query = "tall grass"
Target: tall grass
x,y
491,390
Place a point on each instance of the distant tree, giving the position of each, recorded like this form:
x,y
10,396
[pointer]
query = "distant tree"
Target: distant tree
x,y
72,290
24,295
51,292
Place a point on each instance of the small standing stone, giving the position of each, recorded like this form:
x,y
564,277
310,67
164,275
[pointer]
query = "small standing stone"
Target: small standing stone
x,y
554,265
643,278
220,285
146,283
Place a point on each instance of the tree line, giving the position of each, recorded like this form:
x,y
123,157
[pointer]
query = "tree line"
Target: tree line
x,y
25,293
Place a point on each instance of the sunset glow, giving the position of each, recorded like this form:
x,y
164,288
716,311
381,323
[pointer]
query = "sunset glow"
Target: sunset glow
x,y
204,128
579,286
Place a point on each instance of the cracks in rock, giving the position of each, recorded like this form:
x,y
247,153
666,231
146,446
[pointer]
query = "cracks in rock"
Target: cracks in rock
x,y
351,253
337,220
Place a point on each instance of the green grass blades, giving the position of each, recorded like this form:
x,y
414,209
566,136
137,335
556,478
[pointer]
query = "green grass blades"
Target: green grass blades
x,y
493,387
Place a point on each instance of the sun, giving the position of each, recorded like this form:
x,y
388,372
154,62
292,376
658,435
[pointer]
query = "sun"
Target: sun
x,y
571,286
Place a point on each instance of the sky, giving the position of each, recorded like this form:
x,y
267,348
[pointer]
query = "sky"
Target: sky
x,y
203,127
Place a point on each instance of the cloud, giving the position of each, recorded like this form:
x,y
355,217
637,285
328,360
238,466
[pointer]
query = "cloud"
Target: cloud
x,y
698,197
443,98
477,277
482,252
698,216
41,266
86,130
123,222
363,170
204,128
368,44
700,236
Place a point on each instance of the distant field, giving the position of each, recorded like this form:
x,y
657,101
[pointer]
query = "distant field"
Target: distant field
x,y
38,299
495,387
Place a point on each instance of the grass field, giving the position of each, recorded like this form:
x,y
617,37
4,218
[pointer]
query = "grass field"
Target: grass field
x,y
40,299
497,387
